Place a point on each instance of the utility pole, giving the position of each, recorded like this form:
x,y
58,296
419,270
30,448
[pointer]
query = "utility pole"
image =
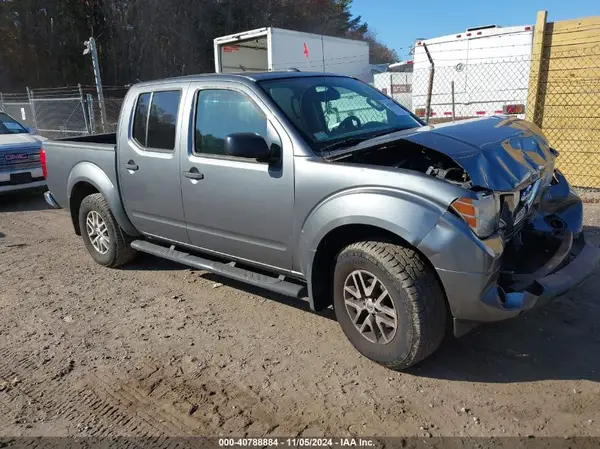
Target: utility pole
x,y
90,47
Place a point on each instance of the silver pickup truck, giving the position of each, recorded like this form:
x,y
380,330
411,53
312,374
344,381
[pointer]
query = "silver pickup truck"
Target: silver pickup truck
x,y
319,186
20,167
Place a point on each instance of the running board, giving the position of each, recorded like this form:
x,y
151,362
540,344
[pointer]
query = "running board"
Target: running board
x,y
274,284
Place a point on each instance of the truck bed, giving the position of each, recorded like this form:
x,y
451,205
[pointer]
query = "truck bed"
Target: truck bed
x,y
107,138
66,159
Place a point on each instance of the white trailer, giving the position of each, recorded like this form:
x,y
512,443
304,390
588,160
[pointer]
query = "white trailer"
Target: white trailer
x,y
489,66
396,82
269,49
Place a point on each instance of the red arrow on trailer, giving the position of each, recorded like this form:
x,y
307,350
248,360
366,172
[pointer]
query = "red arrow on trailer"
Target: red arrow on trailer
x,y
305,50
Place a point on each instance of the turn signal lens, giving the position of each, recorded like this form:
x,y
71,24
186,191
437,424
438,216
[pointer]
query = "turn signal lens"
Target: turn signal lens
x,y
464,206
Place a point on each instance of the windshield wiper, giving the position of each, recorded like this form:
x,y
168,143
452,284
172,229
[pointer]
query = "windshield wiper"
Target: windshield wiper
x,y
390,131
354,141
344,143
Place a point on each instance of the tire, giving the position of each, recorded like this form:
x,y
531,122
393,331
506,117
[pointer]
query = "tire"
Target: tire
x,y
117,250
412,289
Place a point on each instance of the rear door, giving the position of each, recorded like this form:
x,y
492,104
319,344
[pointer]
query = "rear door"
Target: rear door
x,y
148,165
236,206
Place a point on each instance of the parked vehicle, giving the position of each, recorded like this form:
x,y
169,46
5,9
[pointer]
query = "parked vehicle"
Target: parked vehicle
x,y
398,225
273,49
489,66
20,167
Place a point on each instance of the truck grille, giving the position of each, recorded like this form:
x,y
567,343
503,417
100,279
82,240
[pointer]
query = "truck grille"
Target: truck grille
x,y
515,230
518,212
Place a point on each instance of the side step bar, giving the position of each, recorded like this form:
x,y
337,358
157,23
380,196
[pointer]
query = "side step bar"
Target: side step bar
x,y
274,284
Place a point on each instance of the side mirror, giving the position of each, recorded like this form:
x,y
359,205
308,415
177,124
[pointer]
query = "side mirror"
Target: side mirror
x,y
247,145
30,130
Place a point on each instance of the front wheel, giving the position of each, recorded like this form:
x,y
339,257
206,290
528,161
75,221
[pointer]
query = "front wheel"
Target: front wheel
x,y
104,239
389,303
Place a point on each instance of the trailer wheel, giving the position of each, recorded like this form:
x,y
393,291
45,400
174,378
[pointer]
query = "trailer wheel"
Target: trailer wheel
x,y
389,303
104,239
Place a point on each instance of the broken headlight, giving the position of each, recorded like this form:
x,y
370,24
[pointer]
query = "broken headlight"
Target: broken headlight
x,y
481,214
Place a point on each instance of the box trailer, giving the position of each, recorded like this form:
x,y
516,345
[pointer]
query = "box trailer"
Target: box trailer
x,y
488,65
396,82
269,49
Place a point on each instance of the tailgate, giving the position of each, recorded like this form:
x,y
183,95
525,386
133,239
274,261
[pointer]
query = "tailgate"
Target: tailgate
x,y
19,158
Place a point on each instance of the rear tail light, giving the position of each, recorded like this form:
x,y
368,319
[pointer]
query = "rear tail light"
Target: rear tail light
x,y
514,109
43,162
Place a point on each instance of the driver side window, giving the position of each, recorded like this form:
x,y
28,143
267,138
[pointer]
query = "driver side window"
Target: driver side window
x,y
350,104
221,112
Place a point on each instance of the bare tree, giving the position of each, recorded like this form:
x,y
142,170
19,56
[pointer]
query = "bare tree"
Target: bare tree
x,y
42,40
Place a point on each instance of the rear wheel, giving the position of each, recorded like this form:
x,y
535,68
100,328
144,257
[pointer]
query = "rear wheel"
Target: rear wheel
x,y
104,239
389,303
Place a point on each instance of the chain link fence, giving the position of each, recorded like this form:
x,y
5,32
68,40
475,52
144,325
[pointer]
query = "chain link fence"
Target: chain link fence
x,y
566,105
65,112
449,89
59,112
558,90
19,107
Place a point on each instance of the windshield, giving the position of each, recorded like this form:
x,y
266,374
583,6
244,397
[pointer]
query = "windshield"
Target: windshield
x,y
8,125
329,109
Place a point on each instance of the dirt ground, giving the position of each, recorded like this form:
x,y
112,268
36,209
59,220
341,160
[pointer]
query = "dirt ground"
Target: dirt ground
x,y
160,349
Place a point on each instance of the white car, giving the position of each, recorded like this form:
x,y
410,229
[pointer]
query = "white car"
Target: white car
x,y
20,167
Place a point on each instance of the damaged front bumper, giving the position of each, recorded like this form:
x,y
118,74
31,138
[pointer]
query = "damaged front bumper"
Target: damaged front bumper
x,y
569,266
495,279
549,282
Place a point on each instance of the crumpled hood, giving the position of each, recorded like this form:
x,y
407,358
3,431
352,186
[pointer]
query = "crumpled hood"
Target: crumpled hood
x,y
498,153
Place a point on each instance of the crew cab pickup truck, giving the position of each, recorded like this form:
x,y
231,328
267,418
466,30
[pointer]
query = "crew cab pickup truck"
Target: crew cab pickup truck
x,y
271,179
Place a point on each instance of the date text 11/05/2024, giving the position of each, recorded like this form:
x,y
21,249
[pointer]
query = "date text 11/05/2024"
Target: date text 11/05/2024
x,y
296,442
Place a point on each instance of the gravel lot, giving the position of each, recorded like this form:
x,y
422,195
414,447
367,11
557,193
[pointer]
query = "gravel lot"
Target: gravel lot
x,y
158,348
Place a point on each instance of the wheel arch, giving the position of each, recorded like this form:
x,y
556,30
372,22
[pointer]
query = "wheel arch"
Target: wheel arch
x,y
87,178
346,217
323,262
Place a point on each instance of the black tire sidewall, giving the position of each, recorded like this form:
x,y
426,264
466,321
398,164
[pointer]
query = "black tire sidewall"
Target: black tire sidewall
x,y
103,259
399,348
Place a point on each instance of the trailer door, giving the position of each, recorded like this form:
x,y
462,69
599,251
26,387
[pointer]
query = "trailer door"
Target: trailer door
x,y
497,72
242,52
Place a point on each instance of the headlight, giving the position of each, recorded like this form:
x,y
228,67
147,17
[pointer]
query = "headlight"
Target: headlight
x,y
482,214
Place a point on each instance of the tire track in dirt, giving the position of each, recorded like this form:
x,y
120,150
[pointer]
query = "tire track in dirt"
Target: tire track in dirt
x,y
105,407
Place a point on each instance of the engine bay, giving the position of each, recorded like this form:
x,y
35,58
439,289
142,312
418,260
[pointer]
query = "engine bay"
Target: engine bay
x,y
410,156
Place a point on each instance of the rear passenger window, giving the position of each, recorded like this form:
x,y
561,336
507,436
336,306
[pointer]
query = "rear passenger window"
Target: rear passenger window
x,y
140,119
223,112
155,120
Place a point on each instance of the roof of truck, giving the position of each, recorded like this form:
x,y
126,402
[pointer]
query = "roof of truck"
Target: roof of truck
x,y
249,76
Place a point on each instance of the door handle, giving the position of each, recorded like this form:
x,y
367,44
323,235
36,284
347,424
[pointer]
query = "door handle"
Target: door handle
x,y
195,174
130,165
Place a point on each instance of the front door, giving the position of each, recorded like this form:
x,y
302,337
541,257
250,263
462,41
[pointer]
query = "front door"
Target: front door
x,y
236,206
148,165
